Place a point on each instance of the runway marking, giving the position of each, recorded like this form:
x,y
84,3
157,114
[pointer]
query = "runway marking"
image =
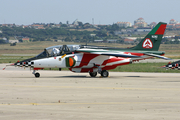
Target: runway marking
x,y
110,88
98,103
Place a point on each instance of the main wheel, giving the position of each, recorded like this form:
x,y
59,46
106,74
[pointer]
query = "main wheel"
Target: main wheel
x,y
37,75
93,74
104,73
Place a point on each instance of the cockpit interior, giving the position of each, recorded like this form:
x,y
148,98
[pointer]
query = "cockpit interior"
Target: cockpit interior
x,y
58,50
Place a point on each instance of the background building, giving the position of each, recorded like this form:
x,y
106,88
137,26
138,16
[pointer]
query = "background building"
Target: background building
x,y
124,24
172,21
140,22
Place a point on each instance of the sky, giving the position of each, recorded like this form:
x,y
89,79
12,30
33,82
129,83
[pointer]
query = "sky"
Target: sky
x,y
26,12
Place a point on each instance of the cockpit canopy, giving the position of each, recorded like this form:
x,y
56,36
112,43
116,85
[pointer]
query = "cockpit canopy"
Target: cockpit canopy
x,y
58,50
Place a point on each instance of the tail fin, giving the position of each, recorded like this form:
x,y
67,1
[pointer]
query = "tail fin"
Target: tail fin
x,y
153,39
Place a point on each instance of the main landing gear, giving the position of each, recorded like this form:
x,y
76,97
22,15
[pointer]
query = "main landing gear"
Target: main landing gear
x,y
36,74
104,73
93,74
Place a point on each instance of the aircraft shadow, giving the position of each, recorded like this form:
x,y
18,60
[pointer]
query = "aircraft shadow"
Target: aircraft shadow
x,y
72,77
84,76
141,76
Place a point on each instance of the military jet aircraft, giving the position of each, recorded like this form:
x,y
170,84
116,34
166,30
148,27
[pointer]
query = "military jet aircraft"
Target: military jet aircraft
x,y
96,59
174,65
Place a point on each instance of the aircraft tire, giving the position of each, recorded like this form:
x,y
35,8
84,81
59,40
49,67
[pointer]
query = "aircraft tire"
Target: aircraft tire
x,y
104,73
93,74
37,75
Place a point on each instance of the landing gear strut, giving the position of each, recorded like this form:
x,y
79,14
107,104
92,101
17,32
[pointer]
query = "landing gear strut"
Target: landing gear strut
x,y
104,73
36,74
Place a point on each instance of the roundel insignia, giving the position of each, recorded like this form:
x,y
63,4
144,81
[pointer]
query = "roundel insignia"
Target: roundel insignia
x,y
70,62
147,44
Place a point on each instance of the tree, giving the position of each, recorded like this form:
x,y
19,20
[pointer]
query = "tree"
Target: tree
x,y
101,33
55,37
67,39
80,24
2,41
63,25
13,44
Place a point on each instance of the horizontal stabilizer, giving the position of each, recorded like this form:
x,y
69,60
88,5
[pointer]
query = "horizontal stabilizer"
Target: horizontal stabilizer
x,y
158,56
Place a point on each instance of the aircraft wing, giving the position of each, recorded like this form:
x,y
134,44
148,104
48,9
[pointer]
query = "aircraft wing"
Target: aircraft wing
x,y
109,53
120,53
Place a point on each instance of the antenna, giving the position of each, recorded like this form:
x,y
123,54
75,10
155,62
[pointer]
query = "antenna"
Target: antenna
x,y
93,21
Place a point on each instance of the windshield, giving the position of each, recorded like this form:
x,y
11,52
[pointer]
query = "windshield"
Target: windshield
x,y
58,50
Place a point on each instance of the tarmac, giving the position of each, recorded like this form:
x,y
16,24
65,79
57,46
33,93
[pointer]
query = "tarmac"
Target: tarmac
x,y
63,95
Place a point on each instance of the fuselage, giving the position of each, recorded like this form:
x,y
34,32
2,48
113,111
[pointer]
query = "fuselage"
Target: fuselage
x,y
81,62
88,62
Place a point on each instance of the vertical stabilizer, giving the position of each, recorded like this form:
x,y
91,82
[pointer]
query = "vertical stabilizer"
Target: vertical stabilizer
x,y
153,39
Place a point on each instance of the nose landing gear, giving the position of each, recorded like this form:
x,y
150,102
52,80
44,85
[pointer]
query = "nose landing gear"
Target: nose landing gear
x,y
36,74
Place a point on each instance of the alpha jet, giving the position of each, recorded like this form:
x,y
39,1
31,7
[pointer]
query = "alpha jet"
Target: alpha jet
x,y
175,65
94,59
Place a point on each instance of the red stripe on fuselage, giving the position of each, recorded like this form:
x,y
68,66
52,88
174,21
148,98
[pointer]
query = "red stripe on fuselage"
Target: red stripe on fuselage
x,y
114,66
38,68
132,53
161,30
114,59
86,58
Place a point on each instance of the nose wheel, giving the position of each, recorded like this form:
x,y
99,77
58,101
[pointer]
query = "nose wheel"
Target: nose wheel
x,y
36,74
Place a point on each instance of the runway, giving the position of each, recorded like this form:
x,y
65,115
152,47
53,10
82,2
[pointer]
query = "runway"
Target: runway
x,y
65,95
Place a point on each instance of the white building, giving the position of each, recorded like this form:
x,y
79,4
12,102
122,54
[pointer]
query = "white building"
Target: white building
x,y
124,24
140,22
13,41
172,21
76,22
